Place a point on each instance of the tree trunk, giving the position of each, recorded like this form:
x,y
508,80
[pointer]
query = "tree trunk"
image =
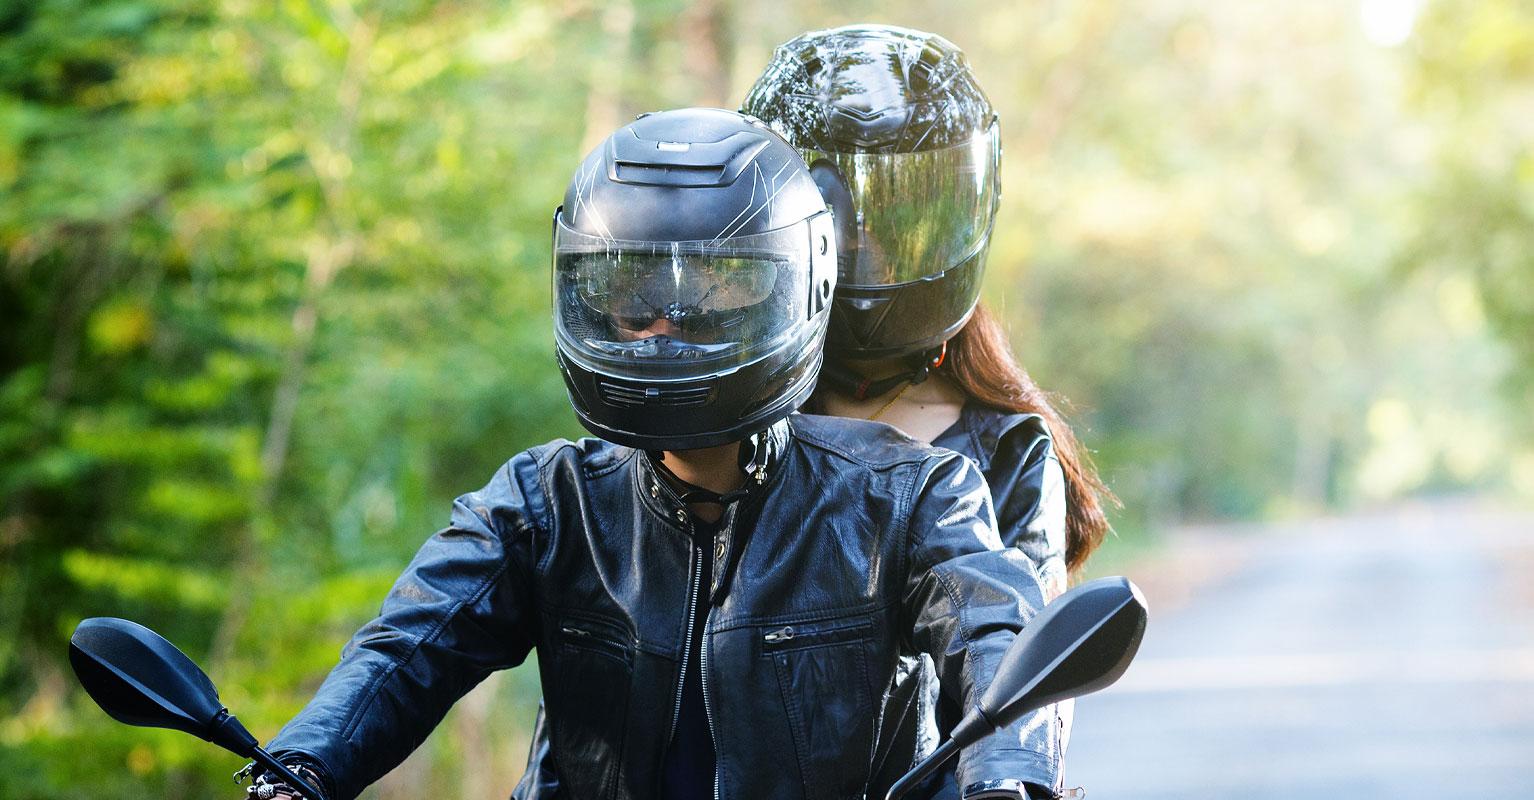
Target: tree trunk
x,y
708,48
604,96
324,258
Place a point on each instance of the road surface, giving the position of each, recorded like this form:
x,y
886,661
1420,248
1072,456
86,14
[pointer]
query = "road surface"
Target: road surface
x,y
1388,655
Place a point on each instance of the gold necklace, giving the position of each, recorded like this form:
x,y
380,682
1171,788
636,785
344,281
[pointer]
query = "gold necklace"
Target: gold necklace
x,y
891,402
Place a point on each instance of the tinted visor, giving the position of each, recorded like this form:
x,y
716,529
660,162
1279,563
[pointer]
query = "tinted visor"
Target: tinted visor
x,y
908,216
677,309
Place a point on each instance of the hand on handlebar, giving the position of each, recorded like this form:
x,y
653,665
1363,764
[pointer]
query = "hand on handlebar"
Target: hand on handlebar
x,y
266,787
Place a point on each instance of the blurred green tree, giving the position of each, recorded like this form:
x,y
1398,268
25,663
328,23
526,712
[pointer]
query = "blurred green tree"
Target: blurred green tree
x,y
1472,69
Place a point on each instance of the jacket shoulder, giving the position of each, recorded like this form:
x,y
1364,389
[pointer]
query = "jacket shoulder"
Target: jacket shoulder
x,y
989,435
524,484
871,444
591,456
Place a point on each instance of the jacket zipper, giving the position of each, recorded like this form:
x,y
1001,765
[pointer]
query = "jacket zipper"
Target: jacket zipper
x,y
693,576
782,635
708,712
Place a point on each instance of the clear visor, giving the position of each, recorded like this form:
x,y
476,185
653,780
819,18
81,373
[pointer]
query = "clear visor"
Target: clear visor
x,y
677,305
915,214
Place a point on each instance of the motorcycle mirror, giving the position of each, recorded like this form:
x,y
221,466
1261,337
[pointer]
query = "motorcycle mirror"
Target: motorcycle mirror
x,y
1080,643
139,678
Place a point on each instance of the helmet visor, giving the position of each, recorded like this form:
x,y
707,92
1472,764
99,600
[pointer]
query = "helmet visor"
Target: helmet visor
x,y
913,215
679,309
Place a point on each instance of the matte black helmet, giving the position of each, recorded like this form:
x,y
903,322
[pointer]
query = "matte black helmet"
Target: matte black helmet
x,y
694,263
905,147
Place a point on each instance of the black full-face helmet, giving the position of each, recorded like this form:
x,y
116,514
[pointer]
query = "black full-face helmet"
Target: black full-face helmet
x,y
694,264
905,146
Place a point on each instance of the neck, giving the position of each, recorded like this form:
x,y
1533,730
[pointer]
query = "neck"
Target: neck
x,y
716,469
922,411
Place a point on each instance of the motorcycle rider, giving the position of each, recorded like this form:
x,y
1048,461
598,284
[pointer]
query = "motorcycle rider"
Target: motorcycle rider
x,y
718,590
905,144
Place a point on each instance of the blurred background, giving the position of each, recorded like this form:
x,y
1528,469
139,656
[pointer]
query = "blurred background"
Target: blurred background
x,y
274,290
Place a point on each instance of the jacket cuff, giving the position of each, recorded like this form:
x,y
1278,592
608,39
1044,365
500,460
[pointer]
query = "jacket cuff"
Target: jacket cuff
x,y
314,765
993,767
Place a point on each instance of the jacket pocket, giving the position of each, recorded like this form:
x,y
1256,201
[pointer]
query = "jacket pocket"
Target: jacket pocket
x,y
822,670
596,639
588,704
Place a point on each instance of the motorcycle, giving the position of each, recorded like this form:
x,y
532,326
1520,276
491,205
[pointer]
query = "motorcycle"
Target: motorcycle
x,y
1080,643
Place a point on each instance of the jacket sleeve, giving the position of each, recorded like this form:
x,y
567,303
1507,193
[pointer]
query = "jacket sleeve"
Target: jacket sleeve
x,y
967,597
462,609
1028,493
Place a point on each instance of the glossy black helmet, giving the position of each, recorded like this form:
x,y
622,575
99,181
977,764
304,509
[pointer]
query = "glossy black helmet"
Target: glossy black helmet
x,y
905,147
694,263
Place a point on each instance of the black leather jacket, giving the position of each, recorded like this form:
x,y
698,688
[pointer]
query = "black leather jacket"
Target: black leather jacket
x,y
857,546
1017,457
1016,454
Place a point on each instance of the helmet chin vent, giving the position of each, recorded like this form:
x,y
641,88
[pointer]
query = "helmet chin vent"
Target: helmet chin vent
x,y
618,394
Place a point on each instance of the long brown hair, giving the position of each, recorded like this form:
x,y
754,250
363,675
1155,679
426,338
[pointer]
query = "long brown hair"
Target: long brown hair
x,y
981,363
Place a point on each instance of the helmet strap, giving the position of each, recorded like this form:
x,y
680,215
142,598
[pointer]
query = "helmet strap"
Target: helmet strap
x,y
754,452
847,381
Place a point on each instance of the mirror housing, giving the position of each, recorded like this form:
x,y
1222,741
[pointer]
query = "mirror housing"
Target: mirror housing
x,y
1079,644
139,678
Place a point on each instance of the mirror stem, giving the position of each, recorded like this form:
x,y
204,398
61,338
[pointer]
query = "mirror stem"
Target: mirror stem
x,y
269,763
928,766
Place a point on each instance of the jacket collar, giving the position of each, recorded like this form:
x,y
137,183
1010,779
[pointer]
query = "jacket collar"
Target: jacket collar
x,y
760,455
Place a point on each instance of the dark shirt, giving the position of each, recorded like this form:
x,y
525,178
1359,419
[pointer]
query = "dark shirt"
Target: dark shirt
x,y
688,773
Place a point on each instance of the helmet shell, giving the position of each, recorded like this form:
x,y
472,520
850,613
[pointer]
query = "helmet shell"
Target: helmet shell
x,y
884,92
694,182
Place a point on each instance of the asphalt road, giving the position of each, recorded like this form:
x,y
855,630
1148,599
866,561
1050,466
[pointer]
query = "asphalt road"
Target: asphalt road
x,y
1388,655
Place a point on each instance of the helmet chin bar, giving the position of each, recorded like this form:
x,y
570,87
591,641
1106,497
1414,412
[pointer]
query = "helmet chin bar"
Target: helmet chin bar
x,y
651,419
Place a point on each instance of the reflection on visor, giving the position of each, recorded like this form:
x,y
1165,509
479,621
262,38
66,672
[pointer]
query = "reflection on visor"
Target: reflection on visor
x,y
916,214
637,289
661,347
652,303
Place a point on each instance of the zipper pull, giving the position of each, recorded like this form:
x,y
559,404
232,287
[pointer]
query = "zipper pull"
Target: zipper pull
x,y
568,631
779,636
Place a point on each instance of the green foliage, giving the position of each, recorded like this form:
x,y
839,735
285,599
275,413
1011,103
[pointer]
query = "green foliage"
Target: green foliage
x,y
273,290
1472,72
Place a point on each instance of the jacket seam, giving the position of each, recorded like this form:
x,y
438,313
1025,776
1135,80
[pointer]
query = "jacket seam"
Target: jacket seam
x,y
829,447
908,491
546,512
905,554
958,606
616,464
